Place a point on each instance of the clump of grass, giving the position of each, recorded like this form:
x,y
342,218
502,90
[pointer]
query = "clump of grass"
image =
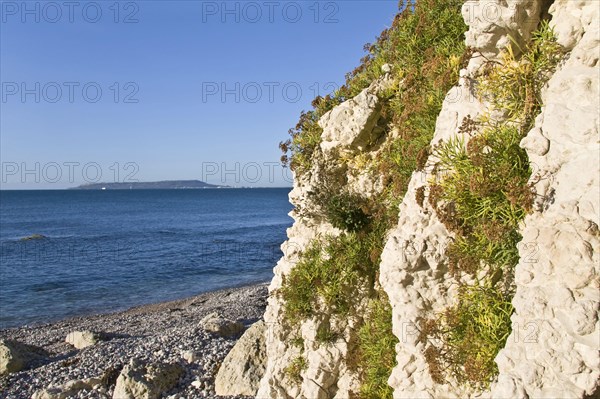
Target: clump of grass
x,y
482,197
325,334
484,192
294,370
329,274
471,332
514,85
376,353
347,212
298,342
304,141
428,60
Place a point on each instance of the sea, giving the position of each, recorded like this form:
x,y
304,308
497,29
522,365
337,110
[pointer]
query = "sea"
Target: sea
x,y
108,250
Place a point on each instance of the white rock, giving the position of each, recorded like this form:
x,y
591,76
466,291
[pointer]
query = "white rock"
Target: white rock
x,y
11,358
82,339
217,324
197,384
350,125
190,356
559,302
349,128
492,24
68,390
49,393
15,356
557,294
140,380
413,269
244,366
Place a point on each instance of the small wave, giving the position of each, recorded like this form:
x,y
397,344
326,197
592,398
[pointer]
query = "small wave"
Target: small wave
x,y
168,232
252,228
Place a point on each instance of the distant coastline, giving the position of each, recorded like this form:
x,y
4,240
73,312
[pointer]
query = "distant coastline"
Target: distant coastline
x,y
157,185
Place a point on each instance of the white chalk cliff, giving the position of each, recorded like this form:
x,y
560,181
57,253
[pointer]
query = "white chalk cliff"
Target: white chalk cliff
x,y
553,350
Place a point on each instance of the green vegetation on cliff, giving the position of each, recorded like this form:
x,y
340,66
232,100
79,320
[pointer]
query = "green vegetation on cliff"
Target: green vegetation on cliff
x,y
376,350
424,49
482,196
331,273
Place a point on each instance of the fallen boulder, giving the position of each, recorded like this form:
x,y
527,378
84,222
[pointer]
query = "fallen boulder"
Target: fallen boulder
x,y
68,390
219,325
15,356
139,380
83,339
244,365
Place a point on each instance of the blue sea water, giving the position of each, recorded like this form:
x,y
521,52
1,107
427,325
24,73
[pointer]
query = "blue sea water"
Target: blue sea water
x,y
110,250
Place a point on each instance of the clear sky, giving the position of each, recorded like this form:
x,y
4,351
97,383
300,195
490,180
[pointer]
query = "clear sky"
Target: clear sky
x,y
157,90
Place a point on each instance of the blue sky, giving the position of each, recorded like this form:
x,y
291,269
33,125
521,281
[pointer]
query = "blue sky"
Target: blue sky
x,y
189,89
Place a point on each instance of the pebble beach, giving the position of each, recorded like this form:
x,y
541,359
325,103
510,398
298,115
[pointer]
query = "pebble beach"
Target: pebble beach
x,y
166,333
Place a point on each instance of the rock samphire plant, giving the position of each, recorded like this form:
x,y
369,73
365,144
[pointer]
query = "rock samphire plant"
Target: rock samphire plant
x,y
482,196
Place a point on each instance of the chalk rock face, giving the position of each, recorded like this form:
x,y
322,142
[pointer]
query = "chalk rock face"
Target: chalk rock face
x,y
219,325
244,366
493,25
553,349
326,375
140,380
348,128
351,125
82,339
413,268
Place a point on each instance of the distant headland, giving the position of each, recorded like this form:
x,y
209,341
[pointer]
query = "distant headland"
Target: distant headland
x,y
156,185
